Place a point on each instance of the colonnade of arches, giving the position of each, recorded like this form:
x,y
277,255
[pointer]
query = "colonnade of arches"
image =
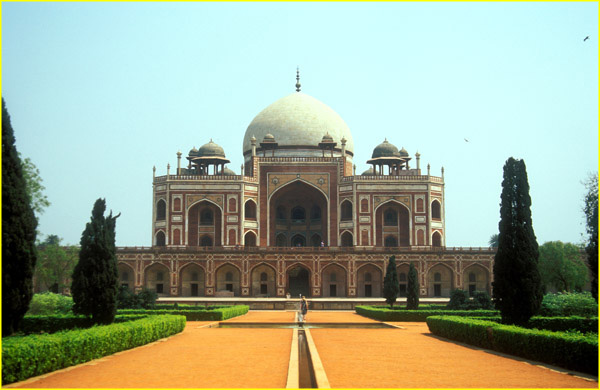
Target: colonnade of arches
x,y
192,279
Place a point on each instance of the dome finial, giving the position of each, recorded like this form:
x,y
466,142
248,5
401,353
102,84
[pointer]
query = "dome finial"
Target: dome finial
x,y
298,79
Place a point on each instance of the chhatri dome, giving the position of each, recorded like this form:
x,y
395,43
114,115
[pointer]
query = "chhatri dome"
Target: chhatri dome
x,y
298,123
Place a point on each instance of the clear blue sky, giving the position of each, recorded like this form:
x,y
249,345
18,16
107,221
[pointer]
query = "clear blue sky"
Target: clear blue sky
x,y
99,93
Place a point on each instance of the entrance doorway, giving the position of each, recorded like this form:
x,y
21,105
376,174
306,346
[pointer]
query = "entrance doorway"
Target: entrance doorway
x,y
299,282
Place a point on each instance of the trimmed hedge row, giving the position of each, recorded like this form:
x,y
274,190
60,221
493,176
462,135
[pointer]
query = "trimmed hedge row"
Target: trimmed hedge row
x,y
219,314
383,313
164,306
557,324
576,352
58,322
27,356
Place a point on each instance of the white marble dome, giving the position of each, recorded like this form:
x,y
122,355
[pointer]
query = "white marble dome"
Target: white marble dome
x,y
297,121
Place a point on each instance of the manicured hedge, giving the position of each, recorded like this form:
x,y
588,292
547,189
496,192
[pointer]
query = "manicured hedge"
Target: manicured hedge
x,y
219,314
572,351
383,313
27,356
558,324
57,323
164,306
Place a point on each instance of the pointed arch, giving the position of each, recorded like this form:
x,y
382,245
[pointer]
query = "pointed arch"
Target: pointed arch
x,y
333,278
263,279
392,218
192,280
157,278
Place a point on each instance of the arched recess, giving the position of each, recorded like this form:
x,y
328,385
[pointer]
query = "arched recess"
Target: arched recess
x,y
298,240
420,205
315,240
298,281
291,211
440,281
250,239
436,239
263,278
204,219
347,239
436,210
390,241
126,276
369,281
392,218
402,271
476,278
281,240
420,237
176,237
250,210
334,281
346,210
160,238
192,278
161,210
157,278
228,279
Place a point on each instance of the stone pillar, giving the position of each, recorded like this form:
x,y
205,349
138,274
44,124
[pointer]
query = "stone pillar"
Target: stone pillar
x,y
418,157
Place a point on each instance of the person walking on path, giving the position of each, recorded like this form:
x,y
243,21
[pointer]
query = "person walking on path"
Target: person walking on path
x,y
303,309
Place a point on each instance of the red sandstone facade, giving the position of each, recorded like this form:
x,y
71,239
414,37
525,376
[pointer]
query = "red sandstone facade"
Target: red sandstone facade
x,y
299,220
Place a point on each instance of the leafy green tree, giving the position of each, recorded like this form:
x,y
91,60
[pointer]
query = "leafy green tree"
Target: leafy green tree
x,y
95,279
591,216
412,293
562,266
391,285
493,242
55,264
18,234
35,188
517,283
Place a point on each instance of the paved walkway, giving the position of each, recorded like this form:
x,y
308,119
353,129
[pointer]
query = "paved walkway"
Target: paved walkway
x,y
250,358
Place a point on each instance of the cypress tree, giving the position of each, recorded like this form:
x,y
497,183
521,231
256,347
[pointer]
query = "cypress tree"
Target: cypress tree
x,y
412,297
95,283
18,234
517,283
391,285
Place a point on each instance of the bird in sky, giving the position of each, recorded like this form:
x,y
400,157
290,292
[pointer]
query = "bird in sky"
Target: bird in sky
x,y
466,140
586,38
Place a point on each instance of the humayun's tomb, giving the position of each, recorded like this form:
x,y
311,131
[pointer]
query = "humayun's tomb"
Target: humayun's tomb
x,y
299,220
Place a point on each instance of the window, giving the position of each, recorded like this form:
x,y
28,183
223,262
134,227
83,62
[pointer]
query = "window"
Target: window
x,y
390,217
346,210
263,277
420,206
124,276
368,277
229,277
206,216
161,210
436,210
315,212
437,277
472,277
364,205
280,241
160,239
347,239
280,212
206,241
160,276
159,288
195,276
332,290
298,213
390,242
333,277
436,239
402,277
250,210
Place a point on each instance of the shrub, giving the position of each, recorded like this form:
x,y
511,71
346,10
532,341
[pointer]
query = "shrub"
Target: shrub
x,y
27,356
49,303
457,299
57,323
145,299
385,314
569,350
569,304
213,314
